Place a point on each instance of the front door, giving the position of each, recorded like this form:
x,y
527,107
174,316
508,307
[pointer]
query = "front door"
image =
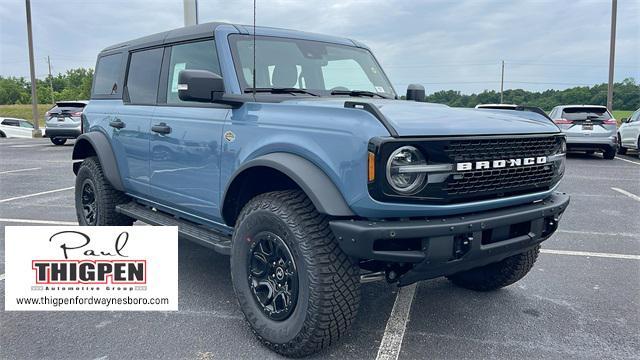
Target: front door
x,y
185,138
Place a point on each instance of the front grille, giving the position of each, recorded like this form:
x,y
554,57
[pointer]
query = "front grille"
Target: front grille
x,y
503,180
487,149
500,181
473,185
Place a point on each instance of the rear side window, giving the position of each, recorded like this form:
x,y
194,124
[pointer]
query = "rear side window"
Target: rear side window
x,y
26,124
11,122
107,75
200,55
584,113
143,76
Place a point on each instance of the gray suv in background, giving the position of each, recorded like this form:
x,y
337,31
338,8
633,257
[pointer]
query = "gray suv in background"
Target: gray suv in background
x,y
589,128
63,121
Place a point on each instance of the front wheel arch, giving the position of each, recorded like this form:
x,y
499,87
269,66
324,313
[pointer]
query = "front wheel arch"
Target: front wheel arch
x,y
294,172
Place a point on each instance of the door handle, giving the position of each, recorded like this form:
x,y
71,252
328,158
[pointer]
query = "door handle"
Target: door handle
x,y
161,128
117,123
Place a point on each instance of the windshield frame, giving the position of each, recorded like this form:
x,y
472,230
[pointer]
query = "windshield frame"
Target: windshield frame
x,y
321,92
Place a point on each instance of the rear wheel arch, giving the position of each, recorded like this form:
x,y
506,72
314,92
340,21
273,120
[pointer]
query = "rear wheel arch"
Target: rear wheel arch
x,y
97,144
281,171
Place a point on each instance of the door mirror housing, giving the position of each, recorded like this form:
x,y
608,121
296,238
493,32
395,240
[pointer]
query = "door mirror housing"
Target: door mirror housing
x,y
415,92
200,85
624,120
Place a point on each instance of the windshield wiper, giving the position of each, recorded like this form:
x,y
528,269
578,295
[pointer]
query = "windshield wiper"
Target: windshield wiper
x,y
276,90
357,93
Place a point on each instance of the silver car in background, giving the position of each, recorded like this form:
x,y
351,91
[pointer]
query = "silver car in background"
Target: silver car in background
x,y
589,128
63,121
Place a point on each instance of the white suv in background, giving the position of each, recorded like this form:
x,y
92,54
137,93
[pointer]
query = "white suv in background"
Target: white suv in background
x,y
589,128
629,134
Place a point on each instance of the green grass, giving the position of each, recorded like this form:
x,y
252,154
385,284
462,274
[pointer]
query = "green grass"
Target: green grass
x,y
619,114
24,111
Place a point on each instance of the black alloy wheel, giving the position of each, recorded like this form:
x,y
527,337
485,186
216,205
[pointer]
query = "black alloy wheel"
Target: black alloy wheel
x,y
273,277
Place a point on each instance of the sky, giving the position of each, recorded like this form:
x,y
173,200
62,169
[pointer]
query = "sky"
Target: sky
x,y
441,44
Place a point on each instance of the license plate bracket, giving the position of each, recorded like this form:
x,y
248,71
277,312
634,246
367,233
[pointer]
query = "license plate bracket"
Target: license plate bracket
x,y
587,127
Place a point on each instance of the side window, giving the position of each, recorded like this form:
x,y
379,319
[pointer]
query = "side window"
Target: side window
x,y
200,55
107,75
143,76
26,124
636,116
11,122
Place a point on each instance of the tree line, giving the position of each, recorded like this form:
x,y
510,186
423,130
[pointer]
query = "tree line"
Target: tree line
x,y
75,84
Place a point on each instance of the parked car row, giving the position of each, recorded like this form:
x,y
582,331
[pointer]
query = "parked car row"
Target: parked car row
x,y
588,128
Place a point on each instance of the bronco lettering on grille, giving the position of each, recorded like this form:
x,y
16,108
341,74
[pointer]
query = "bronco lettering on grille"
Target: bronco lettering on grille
x,y
501,163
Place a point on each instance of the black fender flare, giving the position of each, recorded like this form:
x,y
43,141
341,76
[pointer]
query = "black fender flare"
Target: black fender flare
x,y
96,142
322,192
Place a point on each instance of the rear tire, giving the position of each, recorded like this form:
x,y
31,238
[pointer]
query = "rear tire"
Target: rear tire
x,y
292,323
621,149
497,275
609,154
2,135
96,199
58,141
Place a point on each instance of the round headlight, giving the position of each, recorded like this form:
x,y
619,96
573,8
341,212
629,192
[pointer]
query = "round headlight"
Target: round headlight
x,y
563,146
399,174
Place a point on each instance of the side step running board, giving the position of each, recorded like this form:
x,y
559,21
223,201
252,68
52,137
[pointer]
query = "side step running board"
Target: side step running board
x,y
212,239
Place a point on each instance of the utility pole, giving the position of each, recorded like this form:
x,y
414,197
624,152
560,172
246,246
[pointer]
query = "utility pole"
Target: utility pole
x,y
612,54
53,99
190,12
502,83
32,69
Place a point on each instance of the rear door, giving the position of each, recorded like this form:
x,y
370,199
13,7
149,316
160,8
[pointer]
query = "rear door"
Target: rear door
x,y
631,130
584,121
132,121
185,149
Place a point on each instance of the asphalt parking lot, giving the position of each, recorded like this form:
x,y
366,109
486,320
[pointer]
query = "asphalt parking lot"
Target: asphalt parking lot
x,y
581,300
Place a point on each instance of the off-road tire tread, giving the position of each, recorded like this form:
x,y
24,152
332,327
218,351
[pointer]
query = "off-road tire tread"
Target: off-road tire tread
x,y
497,275
108,197
334,295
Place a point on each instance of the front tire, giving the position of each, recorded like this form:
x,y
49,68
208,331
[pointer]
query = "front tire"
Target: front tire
x,y
281,233
58,141
96,199
621,149
497,275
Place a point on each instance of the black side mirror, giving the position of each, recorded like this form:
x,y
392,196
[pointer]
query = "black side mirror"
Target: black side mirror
x,y
199,85
416,92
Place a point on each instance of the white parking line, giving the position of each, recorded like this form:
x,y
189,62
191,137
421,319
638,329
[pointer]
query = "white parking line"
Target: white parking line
x,y
597,233
397,324
625,192
26,146
36,194
590,254
633,162
18,170
33,221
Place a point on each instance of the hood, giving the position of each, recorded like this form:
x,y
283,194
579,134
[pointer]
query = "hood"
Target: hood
x,y
410,118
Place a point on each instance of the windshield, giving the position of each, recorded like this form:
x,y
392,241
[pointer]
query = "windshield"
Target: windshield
x,y
311,65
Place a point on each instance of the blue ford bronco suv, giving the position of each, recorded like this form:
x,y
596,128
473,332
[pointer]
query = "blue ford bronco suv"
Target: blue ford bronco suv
x,y
292,153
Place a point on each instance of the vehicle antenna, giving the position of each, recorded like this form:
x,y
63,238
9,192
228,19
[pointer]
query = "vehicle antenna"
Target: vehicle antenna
x,y
254,51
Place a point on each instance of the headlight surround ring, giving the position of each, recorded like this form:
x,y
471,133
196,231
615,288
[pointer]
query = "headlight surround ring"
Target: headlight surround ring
x,y
405,183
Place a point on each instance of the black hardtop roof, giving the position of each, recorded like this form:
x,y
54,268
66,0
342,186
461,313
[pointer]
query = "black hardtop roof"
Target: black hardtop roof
x,y
179,34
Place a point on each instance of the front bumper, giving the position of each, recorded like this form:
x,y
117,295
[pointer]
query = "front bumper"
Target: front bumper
x,y
446,245
63,133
